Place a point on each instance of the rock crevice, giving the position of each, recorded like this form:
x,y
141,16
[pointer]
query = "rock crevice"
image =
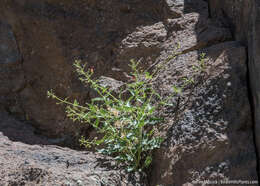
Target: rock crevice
x,y
243,19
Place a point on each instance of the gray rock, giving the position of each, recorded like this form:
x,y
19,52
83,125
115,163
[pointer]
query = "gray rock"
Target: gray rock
x,y
24,160
9,53
243,19
204,134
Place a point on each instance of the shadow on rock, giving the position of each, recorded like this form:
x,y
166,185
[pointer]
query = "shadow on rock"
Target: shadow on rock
x,y
20,131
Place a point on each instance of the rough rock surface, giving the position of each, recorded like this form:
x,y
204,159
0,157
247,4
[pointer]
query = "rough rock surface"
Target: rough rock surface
x,y
212,130
8,49
243,19
37,164
52,34
209,135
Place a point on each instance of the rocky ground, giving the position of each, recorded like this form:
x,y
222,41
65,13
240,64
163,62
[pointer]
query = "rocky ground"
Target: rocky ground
x,y
29,159
209,134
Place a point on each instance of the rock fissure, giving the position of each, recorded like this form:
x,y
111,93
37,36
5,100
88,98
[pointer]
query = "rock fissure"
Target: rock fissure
x,y
243,20
251,101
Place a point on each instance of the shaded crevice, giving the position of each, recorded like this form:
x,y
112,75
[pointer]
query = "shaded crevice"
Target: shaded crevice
x,y
251,102
246,36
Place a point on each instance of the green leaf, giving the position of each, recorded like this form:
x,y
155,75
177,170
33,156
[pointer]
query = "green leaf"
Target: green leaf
x,y
176,90
155,120
129,158
139,100
102,151
128,104
130,169
96,123
76,103
119,158
148,75
148,161
129,135
97,99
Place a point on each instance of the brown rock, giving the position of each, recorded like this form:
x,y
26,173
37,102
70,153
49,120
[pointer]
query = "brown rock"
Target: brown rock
x,y
202,140
243,19
52,34
9,53
23,164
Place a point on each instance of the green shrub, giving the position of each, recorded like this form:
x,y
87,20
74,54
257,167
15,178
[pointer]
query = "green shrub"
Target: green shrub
x,y
128,124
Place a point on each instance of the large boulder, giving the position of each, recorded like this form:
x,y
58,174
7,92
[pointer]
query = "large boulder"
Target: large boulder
x,y
51,34
242,17
24,160
209,135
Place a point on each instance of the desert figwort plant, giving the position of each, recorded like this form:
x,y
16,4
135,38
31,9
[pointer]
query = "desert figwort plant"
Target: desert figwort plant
x,y
128,126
